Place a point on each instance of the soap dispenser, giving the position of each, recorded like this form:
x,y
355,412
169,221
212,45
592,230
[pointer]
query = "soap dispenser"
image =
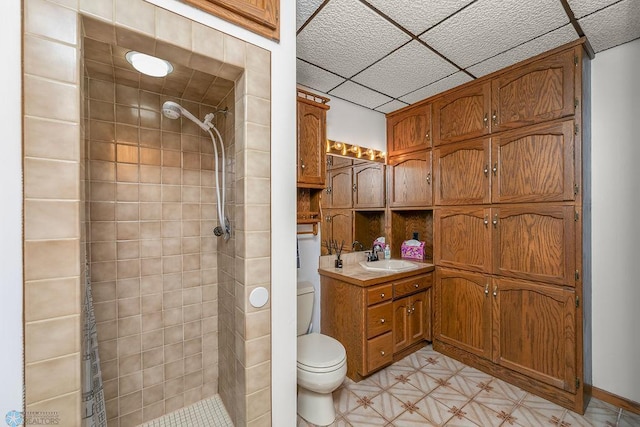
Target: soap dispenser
x,y
387,251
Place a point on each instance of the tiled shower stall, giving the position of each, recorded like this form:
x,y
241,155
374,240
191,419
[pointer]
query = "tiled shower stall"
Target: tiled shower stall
x,y
108,178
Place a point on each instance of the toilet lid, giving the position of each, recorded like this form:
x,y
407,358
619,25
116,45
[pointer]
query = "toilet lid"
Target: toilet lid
x,y
317,351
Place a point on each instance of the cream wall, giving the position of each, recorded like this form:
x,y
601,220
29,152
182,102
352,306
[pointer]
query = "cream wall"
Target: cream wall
x,y
11,212
616,231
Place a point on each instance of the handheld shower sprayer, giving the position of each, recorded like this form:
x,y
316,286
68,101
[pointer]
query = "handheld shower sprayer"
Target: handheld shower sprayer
x,y
173,110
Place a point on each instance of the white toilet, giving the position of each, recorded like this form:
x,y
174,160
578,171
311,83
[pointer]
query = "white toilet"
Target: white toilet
x,y
322,365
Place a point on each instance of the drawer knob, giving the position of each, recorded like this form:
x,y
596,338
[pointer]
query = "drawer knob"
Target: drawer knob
x,y
382,295
415,285
382,320
382,352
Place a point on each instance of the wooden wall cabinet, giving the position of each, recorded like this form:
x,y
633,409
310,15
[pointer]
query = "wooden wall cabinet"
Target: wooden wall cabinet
x,y
540,91
462,173
486,316
462,114
463,311
337,224
534,164
410,180
510,160
310,153
311,141
462,238
409,130
339,189
368,186
260,16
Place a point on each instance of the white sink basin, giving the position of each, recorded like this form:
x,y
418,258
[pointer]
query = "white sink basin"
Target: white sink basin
x,y
389,265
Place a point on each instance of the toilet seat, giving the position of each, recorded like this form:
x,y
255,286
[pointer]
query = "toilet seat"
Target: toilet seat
x,y
320,353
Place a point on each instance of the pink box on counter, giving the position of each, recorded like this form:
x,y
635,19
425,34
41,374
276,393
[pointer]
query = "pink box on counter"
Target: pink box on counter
x,y
412,252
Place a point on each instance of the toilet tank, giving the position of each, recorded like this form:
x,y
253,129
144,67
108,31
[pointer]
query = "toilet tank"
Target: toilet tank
x,y
305,306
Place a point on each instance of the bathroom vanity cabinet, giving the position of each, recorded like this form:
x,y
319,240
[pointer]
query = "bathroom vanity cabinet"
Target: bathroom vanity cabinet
x,y
378,317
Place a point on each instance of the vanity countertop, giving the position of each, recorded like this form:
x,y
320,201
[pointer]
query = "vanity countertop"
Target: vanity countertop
x,y
352,272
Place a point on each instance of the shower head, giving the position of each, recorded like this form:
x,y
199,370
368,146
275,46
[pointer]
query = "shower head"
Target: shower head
x,y
173,110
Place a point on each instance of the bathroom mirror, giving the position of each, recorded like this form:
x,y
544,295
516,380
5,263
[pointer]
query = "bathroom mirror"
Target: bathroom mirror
x,y
353,203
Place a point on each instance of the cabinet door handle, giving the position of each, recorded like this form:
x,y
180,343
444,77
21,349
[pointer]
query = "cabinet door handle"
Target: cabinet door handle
x,y
355,188
429,178
495,169
494,117
486,220
495,291
382,295
486,290
302,165
408,311
486,170
495,221
486,120
427,136
382,320
381,352
415,285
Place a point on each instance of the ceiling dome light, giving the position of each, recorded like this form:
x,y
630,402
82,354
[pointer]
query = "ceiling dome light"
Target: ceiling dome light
x,y
149,65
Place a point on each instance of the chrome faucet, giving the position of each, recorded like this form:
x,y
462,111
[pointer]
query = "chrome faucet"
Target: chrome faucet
x,y
373,256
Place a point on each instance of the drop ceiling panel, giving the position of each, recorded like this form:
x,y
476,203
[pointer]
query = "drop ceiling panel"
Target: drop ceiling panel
x,y
437,87
360,95
581,8
346,36
405,70
418,16
316,78
489,27
526,50
391,106
304,9
613,26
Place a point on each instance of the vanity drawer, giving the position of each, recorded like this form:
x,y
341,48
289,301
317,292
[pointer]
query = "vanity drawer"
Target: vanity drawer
x,y
379,319
411,285
379,351
379,294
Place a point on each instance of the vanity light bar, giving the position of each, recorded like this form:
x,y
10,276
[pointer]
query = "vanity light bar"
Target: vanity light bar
x,y
354,151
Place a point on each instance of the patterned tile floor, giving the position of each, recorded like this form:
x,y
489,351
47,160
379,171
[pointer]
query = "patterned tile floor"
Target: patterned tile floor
x,y
427,388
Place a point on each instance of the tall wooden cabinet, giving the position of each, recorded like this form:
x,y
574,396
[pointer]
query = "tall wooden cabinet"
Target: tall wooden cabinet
x,y
510,158
310,155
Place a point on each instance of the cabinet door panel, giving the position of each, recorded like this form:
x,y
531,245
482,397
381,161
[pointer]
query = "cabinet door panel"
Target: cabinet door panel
x,y
409,131
410,180
541,91
311,143
463,311
417,317
461,173
535,243
462,114
341,188
337,224
463,238
535,164
534,331
368,186
401,313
